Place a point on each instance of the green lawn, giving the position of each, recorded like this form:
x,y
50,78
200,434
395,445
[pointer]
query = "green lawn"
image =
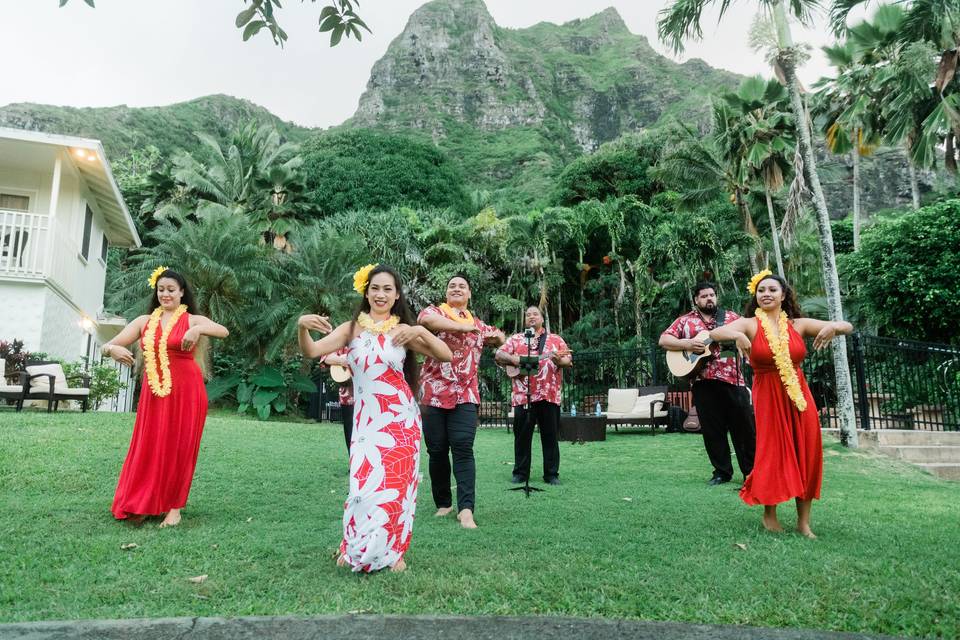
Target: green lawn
x,y
634,532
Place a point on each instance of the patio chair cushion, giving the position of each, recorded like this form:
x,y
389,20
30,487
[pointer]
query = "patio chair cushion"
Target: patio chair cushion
x,y
641,408
42,385
621,401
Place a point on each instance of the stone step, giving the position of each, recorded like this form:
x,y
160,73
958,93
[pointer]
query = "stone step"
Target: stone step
x,y
890,437
923,453
945,470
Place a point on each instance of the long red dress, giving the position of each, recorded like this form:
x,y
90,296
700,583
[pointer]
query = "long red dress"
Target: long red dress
x,y
789,459
158,471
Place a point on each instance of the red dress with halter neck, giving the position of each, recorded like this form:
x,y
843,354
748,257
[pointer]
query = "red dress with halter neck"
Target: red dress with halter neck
x,y
158,471
789,459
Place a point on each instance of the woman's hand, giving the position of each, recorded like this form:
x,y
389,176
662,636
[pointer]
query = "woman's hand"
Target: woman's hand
x,y
313,322
121,354
826,335
404,334
190,338
743,346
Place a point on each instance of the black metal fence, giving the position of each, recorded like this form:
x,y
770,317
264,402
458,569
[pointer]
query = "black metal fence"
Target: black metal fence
x,y
897,384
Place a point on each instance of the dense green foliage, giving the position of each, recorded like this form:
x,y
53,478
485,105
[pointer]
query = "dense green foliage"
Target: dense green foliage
x,y
616,169
126,130
906,273
264,517
364,169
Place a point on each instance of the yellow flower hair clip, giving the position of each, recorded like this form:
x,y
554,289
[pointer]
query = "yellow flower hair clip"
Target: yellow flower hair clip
x,y
152,280
755,280
361,277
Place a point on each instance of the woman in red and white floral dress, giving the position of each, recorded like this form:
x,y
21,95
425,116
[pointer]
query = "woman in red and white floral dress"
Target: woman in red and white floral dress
x,y
385,444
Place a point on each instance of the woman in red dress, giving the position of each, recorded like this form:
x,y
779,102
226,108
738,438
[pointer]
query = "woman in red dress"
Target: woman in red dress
x,y
789,459
158,471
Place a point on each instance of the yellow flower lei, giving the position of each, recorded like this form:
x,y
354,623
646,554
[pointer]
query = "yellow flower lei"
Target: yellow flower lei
x,y
361,277
384,326
454,315
152,280
781,355
755,280
152,353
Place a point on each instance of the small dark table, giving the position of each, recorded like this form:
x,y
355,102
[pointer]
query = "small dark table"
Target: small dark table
x,y
583,428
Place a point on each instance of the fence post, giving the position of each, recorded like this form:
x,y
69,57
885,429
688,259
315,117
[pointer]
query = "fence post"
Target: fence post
x,y
859,368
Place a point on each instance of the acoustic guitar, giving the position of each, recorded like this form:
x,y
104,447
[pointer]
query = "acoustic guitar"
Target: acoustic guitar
x,y
339,373
687,364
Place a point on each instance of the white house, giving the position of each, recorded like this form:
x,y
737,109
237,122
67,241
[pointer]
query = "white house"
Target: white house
x,y
60,209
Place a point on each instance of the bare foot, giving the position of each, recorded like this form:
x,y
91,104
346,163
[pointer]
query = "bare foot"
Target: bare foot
x,y
172,519
399,565
443,511
771,524
805,531
466,519
341,560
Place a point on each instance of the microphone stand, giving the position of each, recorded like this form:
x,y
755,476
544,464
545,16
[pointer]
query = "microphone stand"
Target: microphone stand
x,y
527,365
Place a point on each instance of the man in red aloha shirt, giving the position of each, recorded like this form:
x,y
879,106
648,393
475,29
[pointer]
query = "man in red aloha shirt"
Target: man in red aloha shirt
x,y
719,392
339,357
545,396
450,398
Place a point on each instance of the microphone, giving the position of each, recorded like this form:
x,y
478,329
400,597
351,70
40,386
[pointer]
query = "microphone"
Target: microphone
x,y
528,332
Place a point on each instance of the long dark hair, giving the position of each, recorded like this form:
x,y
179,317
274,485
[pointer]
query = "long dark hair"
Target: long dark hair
x,y
789,304
411,368
187,298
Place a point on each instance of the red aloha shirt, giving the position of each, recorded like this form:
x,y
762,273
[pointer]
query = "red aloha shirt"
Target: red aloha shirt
x,y
724,368
346,388
447,384
548,383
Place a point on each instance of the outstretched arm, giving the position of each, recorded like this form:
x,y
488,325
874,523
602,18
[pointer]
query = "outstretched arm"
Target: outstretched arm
x,y
117,348
311,348
822,331
419,339
740,331
208,327
436,323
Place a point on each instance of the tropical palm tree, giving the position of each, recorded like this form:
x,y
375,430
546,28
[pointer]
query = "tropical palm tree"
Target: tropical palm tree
x,y
937,23
703,169
679,21
761,132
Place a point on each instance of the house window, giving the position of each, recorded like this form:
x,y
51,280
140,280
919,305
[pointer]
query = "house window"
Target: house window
x,y
103,249
11,202
87,224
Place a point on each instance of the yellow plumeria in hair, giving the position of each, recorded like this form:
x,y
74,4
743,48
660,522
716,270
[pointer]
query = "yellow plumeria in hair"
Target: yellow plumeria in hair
x,y
361,277
755,280
152,280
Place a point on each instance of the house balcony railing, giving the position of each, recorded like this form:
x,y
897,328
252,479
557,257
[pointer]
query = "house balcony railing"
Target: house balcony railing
x,y
23,243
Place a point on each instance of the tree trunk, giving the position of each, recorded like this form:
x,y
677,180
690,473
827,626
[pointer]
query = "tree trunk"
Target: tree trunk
x,y
914,180
845,411
748,226
775,234
856,195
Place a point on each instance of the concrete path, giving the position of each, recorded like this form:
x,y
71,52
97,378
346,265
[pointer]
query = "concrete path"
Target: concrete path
x,y
361,627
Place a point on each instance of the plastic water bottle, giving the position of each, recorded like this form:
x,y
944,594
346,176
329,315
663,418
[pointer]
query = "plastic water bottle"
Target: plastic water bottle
x,y
597,410
573,409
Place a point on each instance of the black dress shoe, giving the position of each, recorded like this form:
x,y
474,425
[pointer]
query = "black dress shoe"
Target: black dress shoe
x,y
715,480
553,480
517,479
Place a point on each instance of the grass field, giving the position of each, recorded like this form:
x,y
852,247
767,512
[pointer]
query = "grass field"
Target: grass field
x,y
633,532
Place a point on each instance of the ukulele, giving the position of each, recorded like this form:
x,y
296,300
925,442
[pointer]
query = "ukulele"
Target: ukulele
x,y
339,373
513,371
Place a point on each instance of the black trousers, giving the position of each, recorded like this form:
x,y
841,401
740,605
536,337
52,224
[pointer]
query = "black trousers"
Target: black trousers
x,y
547,415
346,416
451,431
725,408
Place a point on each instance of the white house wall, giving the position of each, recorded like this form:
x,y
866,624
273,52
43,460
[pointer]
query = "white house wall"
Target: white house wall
x,y
21,312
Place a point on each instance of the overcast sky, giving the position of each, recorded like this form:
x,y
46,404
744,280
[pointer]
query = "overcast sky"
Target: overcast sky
x,y
157,52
